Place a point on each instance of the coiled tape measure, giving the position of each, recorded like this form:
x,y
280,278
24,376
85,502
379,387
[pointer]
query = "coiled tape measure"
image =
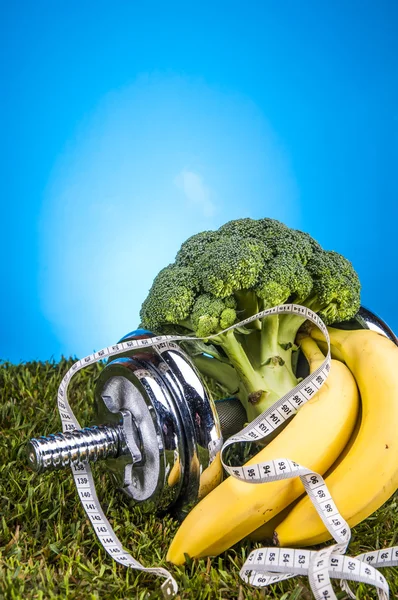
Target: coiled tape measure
x,y
264,566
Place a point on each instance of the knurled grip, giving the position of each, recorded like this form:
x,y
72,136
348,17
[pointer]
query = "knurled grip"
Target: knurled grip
x,y
60,450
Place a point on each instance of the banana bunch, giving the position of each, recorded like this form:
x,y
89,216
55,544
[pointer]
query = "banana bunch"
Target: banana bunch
x,y
348,432
315,437
367,473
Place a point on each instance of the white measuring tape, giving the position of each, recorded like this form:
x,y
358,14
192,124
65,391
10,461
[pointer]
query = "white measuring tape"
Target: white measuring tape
x,y
264,566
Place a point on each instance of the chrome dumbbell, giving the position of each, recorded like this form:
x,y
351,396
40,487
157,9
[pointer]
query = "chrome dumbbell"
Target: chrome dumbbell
x,y
157,427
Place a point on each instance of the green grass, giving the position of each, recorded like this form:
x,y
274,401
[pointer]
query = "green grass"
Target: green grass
x,y
47,546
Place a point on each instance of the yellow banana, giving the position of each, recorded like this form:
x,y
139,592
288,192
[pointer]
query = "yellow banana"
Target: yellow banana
x,y
368,474
175,474
211,477
265,533
315,437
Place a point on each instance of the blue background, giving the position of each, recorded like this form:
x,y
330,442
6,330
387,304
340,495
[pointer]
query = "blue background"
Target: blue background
x,y
129,126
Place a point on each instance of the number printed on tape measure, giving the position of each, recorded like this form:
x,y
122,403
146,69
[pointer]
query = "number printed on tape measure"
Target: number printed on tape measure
x,y
100,529
82,481
95,518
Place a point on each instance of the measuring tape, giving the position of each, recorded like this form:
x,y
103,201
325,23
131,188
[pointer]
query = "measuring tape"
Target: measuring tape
x,y
264,566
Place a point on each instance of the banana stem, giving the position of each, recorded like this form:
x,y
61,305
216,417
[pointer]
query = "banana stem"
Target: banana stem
x,y
338,338
311,351
335,353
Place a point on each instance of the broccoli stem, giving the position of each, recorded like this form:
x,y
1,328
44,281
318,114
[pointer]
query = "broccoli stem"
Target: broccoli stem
x,y
268,382
262,359
218,370
277,343
247,305
252,380
270,349
290,323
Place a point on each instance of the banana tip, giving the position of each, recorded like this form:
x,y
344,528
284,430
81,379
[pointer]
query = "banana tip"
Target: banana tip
x,y
301,336
175,558
306,328
275,539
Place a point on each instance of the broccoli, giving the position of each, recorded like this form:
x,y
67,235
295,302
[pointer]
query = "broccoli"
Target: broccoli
x,y
221,277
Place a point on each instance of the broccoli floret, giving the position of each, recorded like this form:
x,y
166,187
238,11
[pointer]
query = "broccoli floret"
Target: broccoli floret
x,y
191,251
282,277
222,277
171,297
231,263
336,292
210,314
246,228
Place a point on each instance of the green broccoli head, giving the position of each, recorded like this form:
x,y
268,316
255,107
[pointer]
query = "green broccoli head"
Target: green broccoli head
x,y
247,265
171,297
264,257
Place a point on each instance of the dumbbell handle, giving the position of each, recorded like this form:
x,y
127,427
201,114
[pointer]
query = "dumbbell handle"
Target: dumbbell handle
x,y
60,450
